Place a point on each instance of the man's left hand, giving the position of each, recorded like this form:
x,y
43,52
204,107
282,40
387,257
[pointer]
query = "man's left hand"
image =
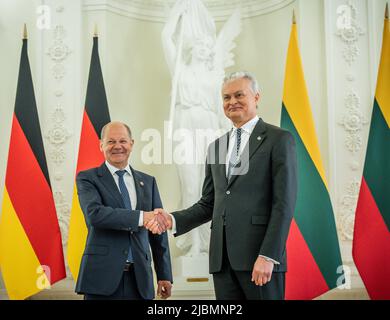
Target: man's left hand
x,y
262,271
164,289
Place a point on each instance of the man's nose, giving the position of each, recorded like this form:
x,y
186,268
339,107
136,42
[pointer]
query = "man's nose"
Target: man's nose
x,y
232,101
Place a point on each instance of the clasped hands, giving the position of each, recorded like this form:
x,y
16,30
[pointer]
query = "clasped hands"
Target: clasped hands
x,y
157,221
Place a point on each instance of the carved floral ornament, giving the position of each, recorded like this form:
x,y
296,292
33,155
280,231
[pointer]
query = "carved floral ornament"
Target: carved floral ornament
x,y
349,31
57,134
353,122
346,216
157,10
63,212
58,51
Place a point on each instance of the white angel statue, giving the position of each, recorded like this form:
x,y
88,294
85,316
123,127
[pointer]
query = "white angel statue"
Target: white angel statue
x,y
197,58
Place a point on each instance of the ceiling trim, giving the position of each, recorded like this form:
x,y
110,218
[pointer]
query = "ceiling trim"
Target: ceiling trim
x,y
157,10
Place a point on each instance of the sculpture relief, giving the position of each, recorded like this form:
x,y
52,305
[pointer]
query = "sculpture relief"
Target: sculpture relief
x,y
196,58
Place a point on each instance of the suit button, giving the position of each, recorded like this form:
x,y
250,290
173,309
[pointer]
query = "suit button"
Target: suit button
x,y
228,192
125,252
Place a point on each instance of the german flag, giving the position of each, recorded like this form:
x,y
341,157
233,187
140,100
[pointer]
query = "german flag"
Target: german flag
x,y
96,115
371,242
313,252
31,256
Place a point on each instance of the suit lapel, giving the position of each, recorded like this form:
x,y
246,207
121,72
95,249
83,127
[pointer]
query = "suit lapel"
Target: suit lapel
x,y
255,141
108,181
139,188
221,152
257,137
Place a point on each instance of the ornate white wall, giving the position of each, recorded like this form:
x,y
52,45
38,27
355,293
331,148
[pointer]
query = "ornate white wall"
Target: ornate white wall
x,y
340,68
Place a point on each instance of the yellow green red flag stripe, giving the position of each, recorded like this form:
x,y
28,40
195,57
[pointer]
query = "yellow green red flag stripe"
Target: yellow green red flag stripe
x,y
313,250
96,115
371,243
30,238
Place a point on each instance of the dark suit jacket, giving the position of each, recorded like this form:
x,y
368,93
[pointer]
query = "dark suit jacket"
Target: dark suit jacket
x,y
255,208
109,227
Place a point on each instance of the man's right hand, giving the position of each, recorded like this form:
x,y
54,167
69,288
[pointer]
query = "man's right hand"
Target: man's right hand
x,y
160,222
151,222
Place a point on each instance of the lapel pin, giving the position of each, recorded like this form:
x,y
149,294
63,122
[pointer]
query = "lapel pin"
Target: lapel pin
x,y
141,183
258,138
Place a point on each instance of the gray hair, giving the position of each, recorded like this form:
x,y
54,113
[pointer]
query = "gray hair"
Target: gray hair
x,y
244,75
103,131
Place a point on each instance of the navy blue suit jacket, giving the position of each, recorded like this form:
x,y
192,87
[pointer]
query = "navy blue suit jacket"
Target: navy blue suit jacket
x,y
110,227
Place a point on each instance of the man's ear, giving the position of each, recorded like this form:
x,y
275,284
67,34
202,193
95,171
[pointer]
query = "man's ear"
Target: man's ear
x,y
101,146
257,97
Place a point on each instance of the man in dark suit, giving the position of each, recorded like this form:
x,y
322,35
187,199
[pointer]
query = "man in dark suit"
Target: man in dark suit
x,y
117,201
249,193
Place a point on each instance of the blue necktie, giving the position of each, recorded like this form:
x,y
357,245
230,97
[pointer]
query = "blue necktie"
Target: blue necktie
x,y
127,202
234,158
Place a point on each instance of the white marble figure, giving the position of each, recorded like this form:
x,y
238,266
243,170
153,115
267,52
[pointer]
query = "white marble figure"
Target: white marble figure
x,y
197,58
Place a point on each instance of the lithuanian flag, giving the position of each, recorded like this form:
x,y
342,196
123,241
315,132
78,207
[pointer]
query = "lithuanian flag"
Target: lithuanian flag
x,y
96,115
313,252
31,256
371,242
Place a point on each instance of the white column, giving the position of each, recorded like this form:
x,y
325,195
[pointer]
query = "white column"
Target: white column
x,y
351,39
60,93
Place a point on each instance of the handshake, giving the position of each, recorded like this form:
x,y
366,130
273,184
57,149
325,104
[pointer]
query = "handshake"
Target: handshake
x,y
157,221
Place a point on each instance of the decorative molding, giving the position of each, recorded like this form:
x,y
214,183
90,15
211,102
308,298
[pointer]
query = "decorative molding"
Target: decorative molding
x,y
58,156
351,77
353,122
63,213
58,93
57,134
354,165
60,9
58,71
346,216
58,115
157,10
59,51
58,175
351,35
346,58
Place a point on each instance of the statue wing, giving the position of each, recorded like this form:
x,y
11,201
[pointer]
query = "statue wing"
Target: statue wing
x,y
225,41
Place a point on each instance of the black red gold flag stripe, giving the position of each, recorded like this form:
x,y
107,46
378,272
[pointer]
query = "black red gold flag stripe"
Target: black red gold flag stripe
x,y
30,238
96,115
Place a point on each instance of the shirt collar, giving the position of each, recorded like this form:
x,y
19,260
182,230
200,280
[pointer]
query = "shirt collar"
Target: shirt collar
x,y
247,127
113,169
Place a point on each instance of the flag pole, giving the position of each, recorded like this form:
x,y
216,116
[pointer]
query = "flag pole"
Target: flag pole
x,y
95,31
24,32
294,19
387,11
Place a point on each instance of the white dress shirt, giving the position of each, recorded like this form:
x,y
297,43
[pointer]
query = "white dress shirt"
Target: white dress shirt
x,y
246,131
130,185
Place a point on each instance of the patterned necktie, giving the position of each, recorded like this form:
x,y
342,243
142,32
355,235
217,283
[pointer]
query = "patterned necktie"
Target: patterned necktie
x,y
234,158
127,202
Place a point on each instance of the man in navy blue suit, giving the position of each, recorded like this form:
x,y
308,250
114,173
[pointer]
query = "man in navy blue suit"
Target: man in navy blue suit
x,y
117,201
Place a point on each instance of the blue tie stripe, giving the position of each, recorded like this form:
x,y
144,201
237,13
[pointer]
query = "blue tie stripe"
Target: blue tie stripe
x,y
238,140
234,158
126,201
